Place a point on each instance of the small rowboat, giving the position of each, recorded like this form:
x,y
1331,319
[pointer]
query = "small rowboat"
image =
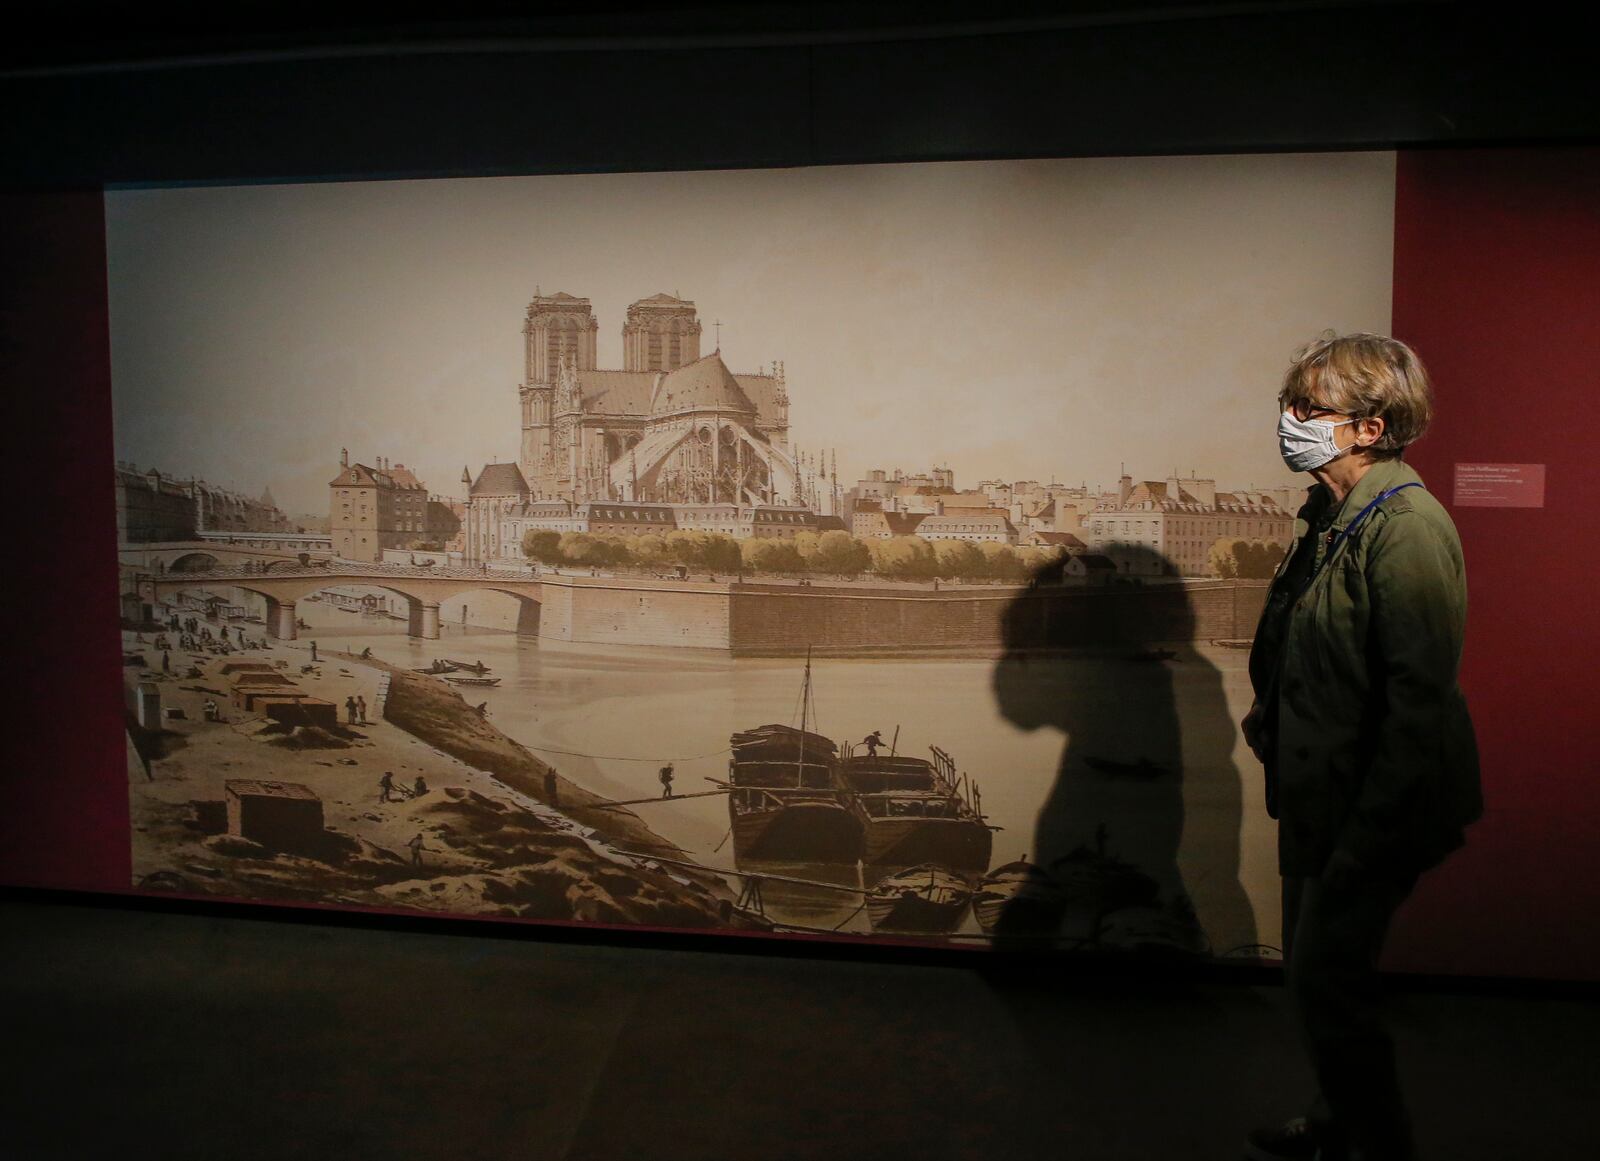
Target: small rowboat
x,y
477,667
437,668
1019,899
472,680
925,899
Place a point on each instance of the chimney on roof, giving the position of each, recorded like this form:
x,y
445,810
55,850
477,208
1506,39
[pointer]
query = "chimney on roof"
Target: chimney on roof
x,y
344,457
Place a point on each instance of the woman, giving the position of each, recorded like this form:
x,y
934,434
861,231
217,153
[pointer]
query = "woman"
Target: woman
x,y
1372,770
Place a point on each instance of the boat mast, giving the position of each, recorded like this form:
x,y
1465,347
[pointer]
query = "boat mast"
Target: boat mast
x,y
805,710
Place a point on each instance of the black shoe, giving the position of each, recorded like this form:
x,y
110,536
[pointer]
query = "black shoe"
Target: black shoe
x,y
1294,1140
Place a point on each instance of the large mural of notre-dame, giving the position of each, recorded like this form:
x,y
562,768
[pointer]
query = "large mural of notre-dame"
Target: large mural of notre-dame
x,y
870,551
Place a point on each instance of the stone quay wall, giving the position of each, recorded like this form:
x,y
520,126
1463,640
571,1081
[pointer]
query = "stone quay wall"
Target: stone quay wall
x,y
755,618
628,611
778,619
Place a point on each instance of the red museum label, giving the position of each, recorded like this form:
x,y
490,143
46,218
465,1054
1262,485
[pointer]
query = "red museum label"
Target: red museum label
x,y
1499,486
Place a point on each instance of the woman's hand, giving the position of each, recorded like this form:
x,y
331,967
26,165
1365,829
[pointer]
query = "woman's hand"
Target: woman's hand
x,y
1251,725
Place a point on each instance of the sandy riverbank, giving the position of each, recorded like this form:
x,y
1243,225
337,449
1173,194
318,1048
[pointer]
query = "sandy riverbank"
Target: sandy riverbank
x,y
490,844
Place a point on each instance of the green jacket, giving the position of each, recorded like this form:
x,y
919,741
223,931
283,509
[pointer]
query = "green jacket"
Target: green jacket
x,y
1370,755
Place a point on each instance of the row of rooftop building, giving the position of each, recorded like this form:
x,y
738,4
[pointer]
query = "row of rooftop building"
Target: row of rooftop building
x,y
384,507
1179,518
155,508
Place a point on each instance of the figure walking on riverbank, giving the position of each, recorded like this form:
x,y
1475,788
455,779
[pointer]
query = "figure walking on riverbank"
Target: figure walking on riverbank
x,y
361,710
416,849
666,780
313,651
350,710
386,786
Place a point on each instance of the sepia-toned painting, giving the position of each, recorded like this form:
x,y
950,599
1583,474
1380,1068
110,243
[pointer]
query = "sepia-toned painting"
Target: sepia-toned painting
x,y
865,551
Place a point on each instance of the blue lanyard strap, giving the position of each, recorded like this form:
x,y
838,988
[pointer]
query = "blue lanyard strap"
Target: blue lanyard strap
x,y
1348,529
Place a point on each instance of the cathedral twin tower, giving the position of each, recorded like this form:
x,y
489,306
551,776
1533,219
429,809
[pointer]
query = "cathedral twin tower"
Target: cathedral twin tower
x,y
670,426
661,333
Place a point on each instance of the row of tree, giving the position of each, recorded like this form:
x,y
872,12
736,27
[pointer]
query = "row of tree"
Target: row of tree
x,y
837,553
1246,559
833,553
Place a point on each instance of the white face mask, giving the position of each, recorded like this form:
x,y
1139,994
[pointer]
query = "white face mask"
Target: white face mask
x,y
1308,443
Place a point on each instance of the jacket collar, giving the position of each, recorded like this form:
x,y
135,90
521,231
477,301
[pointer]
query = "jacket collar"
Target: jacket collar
x,y
1379,478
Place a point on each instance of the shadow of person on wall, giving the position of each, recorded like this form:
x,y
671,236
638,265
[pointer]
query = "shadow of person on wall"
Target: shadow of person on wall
x,y
1136,846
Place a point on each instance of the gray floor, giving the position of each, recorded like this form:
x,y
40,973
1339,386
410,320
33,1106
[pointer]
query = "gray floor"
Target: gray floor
x,y
162,1035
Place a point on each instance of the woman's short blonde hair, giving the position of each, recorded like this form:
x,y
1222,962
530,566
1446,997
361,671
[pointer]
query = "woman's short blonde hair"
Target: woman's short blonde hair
x,y
1364,376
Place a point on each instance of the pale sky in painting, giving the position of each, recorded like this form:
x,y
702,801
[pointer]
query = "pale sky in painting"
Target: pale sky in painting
x,y
1019,320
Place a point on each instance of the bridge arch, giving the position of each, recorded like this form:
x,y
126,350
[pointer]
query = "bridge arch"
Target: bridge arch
x,y
286,564
194,562
528,606
283,623
422,594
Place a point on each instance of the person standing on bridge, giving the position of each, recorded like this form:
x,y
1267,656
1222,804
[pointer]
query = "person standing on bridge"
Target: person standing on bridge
x,y
872,741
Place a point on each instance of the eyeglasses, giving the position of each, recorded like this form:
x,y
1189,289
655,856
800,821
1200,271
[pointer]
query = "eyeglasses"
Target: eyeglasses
x,y
1305,409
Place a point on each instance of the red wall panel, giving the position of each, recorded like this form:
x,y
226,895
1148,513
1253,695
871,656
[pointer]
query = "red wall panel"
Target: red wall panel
x,y
1497,285
64,820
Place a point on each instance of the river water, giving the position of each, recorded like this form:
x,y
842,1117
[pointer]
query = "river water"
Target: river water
x,y
609,716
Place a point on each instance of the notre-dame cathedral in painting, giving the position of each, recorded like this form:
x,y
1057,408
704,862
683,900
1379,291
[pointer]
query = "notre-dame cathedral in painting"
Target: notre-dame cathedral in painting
x,y
672,426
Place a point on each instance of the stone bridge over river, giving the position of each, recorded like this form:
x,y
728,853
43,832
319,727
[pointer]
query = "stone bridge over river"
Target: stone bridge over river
x,y
752,616
282,582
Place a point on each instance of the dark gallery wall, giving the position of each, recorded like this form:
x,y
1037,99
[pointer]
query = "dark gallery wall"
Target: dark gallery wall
x,y
1497,252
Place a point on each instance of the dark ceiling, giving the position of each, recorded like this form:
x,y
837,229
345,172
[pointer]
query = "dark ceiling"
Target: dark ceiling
x,y
72,37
